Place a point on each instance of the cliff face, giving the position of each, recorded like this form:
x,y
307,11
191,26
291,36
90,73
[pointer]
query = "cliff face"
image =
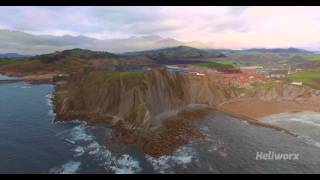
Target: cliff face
x,y
156,109
135,98
142,103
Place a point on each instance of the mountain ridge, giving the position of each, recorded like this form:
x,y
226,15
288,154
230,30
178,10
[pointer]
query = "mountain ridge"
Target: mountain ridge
x,y
12,55
29,44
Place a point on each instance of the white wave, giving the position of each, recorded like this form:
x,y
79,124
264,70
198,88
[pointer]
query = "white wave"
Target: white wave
x,y
309,140
311,118
305,124
125,164
79,133
70,167
76,121
86,145
79,151
166,164
25,87
49,98
99,152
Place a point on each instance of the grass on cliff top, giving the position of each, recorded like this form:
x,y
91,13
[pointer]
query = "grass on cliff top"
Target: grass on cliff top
x,y
310,78
218,64
102,77
6,61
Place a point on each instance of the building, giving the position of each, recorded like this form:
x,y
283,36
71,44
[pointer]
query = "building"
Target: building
x,y
279,76
297,83
200,74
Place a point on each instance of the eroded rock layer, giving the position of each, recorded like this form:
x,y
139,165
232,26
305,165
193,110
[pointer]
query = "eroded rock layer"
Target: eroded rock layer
x,y
151,108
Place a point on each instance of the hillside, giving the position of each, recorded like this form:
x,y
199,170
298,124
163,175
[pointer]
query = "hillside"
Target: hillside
x,y
266,57
276,50
270,58
175,54
68,61
77,59
73,54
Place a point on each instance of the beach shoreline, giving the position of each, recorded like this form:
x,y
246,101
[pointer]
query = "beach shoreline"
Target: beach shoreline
x,y
258,108
254,110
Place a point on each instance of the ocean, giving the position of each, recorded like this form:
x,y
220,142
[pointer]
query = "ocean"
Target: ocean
x,y
30,142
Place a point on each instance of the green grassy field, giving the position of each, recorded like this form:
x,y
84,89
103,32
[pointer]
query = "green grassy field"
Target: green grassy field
x,y
218,64
312,57
131,79
310,78
7,61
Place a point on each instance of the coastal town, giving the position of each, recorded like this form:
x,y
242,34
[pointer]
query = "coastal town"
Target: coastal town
x,y
241,76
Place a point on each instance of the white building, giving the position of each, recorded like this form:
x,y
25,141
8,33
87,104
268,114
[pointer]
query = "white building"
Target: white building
x,y
297,83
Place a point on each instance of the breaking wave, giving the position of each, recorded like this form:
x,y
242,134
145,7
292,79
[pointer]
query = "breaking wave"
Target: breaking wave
x,y
79,133
79,151
166,164
125,164
311,118
305,124
70,167
49,98
86,145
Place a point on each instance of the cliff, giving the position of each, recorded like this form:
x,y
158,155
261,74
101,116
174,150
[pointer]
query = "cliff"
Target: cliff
x,y
151,108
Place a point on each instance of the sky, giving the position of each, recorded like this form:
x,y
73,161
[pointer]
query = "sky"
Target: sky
x,y
229,27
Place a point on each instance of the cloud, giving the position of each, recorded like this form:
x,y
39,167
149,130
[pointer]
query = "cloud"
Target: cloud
x,y
237,26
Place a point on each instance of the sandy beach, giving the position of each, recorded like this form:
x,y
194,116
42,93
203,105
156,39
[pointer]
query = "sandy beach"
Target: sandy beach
x,y
257,108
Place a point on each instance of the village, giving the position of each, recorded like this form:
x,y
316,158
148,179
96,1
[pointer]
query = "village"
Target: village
x,y
242,76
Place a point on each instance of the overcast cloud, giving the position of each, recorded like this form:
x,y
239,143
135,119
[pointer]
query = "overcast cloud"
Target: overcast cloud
x,y
229,27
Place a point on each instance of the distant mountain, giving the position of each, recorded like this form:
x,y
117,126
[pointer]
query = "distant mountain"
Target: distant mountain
x,y
13,55
29,44
24,43
179,53
276,50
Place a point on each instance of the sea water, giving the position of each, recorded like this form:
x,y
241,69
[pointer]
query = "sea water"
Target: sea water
x,y
30,142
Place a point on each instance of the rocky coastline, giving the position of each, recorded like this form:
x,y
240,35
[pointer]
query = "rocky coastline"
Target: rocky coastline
x,y
156,109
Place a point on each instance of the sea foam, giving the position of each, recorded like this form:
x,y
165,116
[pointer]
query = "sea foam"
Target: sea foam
x,y
166,164
70,167
85,144
125,164
305,124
